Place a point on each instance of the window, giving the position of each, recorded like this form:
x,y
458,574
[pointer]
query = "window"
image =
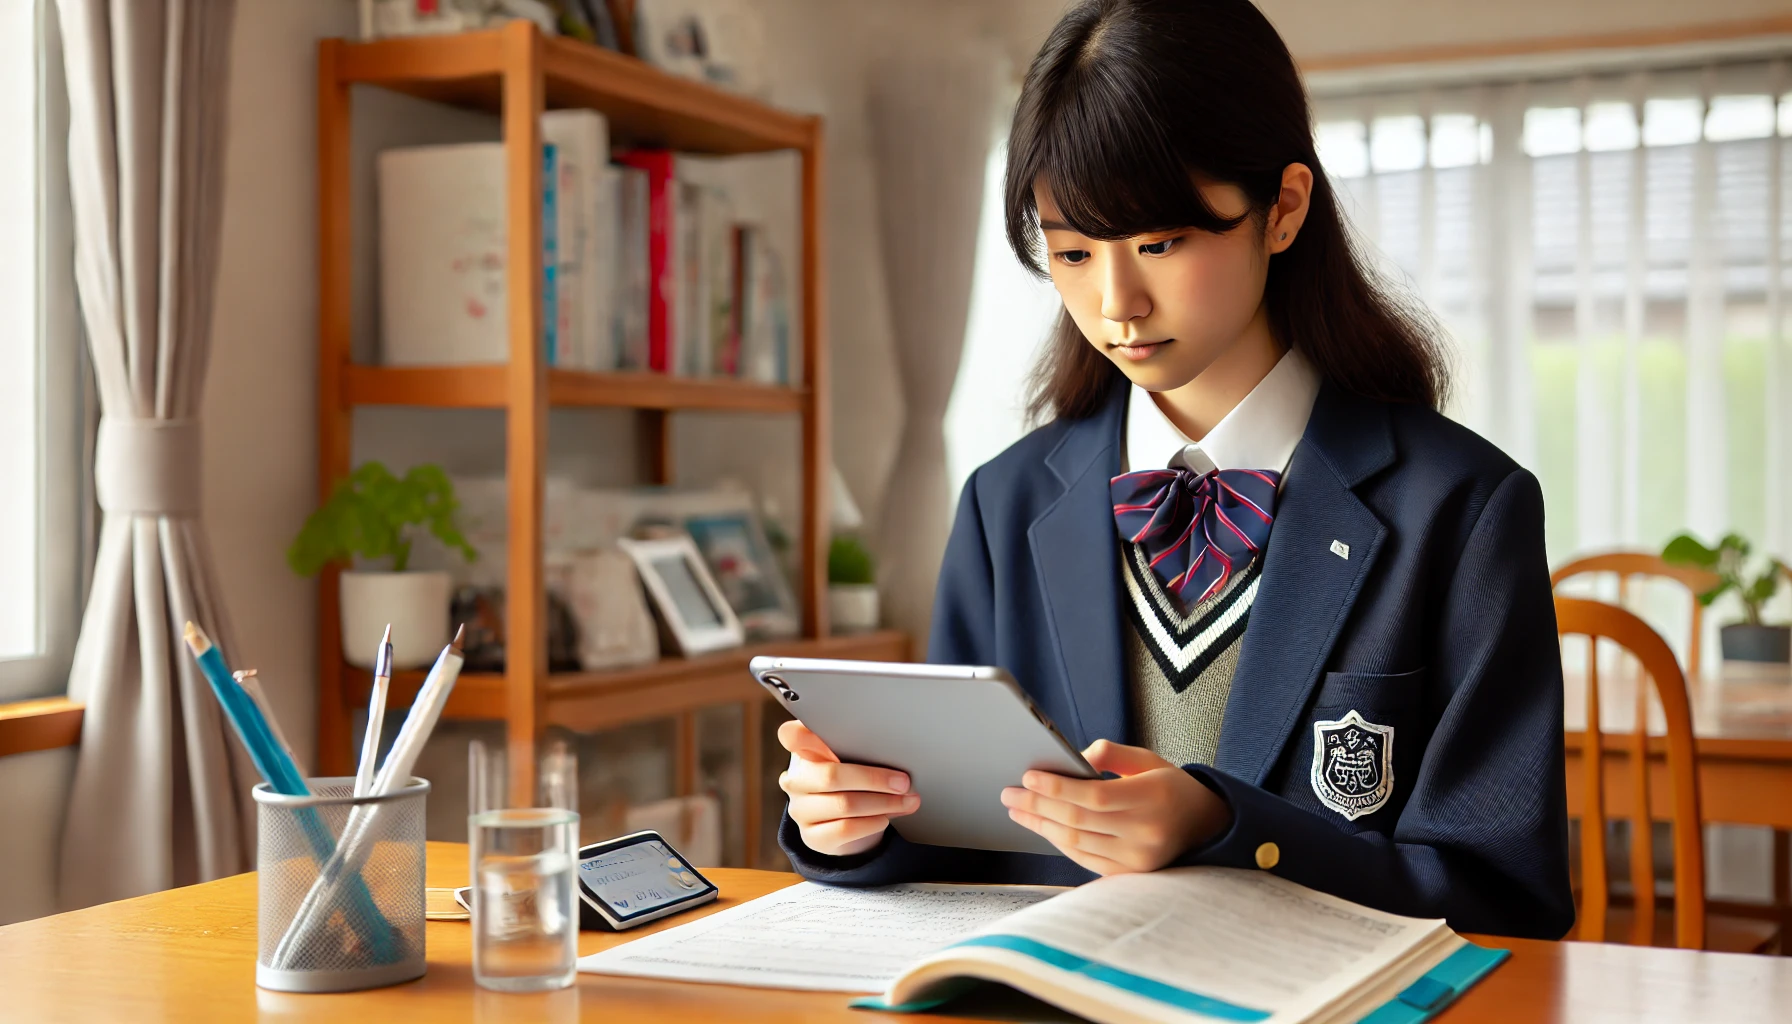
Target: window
x,y
1610,258
40,398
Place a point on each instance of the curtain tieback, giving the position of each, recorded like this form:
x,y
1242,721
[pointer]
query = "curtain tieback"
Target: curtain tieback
x,y
147,467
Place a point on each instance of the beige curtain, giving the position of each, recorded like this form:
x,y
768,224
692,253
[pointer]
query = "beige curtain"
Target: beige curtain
x,y
930,134
161,790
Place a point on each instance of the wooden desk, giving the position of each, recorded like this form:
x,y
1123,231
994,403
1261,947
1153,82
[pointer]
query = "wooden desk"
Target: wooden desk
x,y
188,955
1742,723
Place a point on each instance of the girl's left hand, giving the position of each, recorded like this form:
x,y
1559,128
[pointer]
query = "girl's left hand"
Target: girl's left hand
x,y
1138,822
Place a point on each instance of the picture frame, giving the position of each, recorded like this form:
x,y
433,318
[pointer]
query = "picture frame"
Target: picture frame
x,y
691,609
721,42
734,546
601,588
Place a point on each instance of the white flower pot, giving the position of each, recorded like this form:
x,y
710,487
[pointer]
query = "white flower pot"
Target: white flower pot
x,y
414,603
852,607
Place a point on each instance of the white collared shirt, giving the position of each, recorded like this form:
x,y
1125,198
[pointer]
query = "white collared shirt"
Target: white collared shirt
x,y
1261,431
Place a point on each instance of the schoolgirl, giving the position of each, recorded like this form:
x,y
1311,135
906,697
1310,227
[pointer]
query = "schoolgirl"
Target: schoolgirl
x,y
1300,617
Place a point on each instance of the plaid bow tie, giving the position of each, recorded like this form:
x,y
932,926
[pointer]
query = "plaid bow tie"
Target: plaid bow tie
x,y
1196,528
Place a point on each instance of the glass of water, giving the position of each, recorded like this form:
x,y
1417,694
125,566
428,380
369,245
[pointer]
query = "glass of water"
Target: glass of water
x,y
525,910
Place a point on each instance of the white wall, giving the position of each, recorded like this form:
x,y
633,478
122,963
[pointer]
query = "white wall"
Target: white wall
x,y
1316,29
260,410
32,790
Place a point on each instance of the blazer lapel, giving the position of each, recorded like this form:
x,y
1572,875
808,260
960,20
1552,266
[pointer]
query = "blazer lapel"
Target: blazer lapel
x,y
1321,549
1074,553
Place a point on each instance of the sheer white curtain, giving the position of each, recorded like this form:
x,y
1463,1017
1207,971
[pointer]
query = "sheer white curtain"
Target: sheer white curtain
x,y
161,790
1607,253
1011,313
929,118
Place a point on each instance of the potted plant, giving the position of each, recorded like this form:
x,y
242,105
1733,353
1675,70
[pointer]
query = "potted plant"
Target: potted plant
x,y
852,590
1750,639
372,516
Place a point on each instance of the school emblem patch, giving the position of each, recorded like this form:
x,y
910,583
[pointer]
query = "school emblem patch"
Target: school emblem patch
x,y
1353,765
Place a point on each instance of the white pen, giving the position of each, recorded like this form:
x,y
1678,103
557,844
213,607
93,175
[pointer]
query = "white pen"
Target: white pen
x,y
426,708
376,715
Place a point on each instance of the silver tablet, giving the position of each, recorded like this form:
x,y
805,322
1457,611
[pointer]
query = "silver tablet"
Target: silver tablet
x,y
961,732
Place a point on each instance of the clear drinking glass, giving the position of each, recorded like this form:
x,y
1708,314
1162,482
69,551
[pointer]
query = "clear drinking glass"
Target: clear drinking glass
x,y
525,911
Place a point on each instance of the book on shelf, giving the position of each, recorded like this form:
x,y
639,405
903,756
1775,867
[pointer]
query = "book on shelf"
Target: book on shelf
x,y
759,345
629,322
705,279
719,302
444,255
663,235
753,333
715,229
1182,944
643,267
586,279
688,290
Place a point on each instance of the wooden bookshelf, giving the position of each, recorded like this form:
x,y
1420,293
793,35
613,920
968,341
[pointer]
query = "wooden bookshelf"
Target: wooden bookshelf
x,y
516,72
587,701
485,387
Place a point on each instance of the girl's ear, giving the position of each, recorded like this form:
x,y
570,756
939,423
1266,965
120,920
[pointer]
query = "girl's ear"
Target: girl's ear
x,y
1290,209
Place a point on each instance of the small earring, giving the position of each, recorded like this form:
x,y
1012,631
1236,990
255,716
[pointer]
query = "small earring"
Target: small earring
x,y
1284,236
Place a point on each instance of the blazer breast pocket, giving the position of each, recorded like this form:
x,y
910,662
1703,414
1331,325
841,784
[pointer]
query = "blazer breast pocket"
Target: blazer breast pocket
x,y
1390,692
1361,746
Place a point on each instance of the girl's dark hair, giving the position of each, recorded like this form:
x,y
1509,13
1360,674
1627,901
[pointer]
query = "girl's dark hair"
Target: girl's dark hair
x,y
1127,105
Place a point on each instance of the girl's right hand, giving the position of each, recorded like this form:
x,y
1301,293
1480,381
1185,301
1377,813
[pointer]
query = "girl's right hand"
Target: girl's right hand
x,y
839,809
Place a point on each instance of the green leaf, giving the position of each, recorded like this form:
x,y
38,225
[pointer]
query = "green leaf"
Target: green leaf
x,y
1687,550
371,515
849,562
1762,590
1718,591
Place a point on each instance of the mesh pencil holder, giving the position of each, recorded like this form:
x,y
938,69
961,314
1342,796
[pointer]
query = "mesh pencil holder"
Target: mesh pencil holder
x,y
340,903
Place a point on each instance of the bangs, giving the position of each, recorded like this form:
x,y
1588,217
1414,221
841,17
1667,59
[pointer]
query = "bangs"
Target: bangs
x,y
1102,152
1128,110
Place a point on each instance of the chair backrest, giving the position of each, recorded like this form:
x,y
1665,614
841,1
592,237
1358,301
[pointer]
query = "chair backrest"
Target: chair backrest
x,y
1628,564
1596,620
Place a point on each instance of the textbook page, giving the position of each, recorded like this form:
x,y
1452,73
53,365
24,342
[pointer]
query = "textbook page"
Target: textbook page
x,y
1247,939
811,936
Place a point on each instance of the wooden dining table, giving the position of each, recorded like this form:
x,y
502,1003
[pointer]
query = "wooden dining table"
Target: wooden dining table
x,y
188,955
1742,728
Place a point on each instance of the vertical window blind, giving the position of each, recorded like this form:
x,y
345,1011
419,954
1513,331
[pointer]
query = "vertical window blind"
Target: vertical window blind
x,y
1607,255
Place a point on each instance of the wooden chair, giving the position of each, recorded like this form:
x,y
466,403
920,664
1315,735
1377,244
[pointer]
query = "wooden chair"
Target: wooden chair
x,y
1641,924
1627,565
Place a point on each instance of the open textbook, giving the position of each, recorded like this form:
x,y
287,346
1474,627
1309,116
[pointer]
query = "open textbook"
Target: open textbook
x,y
1183,945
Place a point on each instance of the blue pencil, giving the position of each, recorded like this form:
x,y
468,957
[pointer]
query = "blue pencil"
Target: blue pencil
x,y
283,776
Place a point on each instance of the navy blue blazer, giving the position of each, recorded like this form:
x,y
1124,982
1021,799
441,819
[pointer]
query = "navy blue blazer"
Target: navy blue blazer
x,y
1405,580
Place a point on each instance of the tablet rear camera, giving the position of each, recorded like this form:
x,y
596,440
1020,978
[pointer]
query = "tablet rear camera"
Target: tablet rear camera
x,y
783,688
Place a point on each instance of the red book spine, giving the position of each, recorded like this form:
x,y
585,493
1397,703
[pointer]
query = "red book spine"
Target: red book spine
x,y
662,197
